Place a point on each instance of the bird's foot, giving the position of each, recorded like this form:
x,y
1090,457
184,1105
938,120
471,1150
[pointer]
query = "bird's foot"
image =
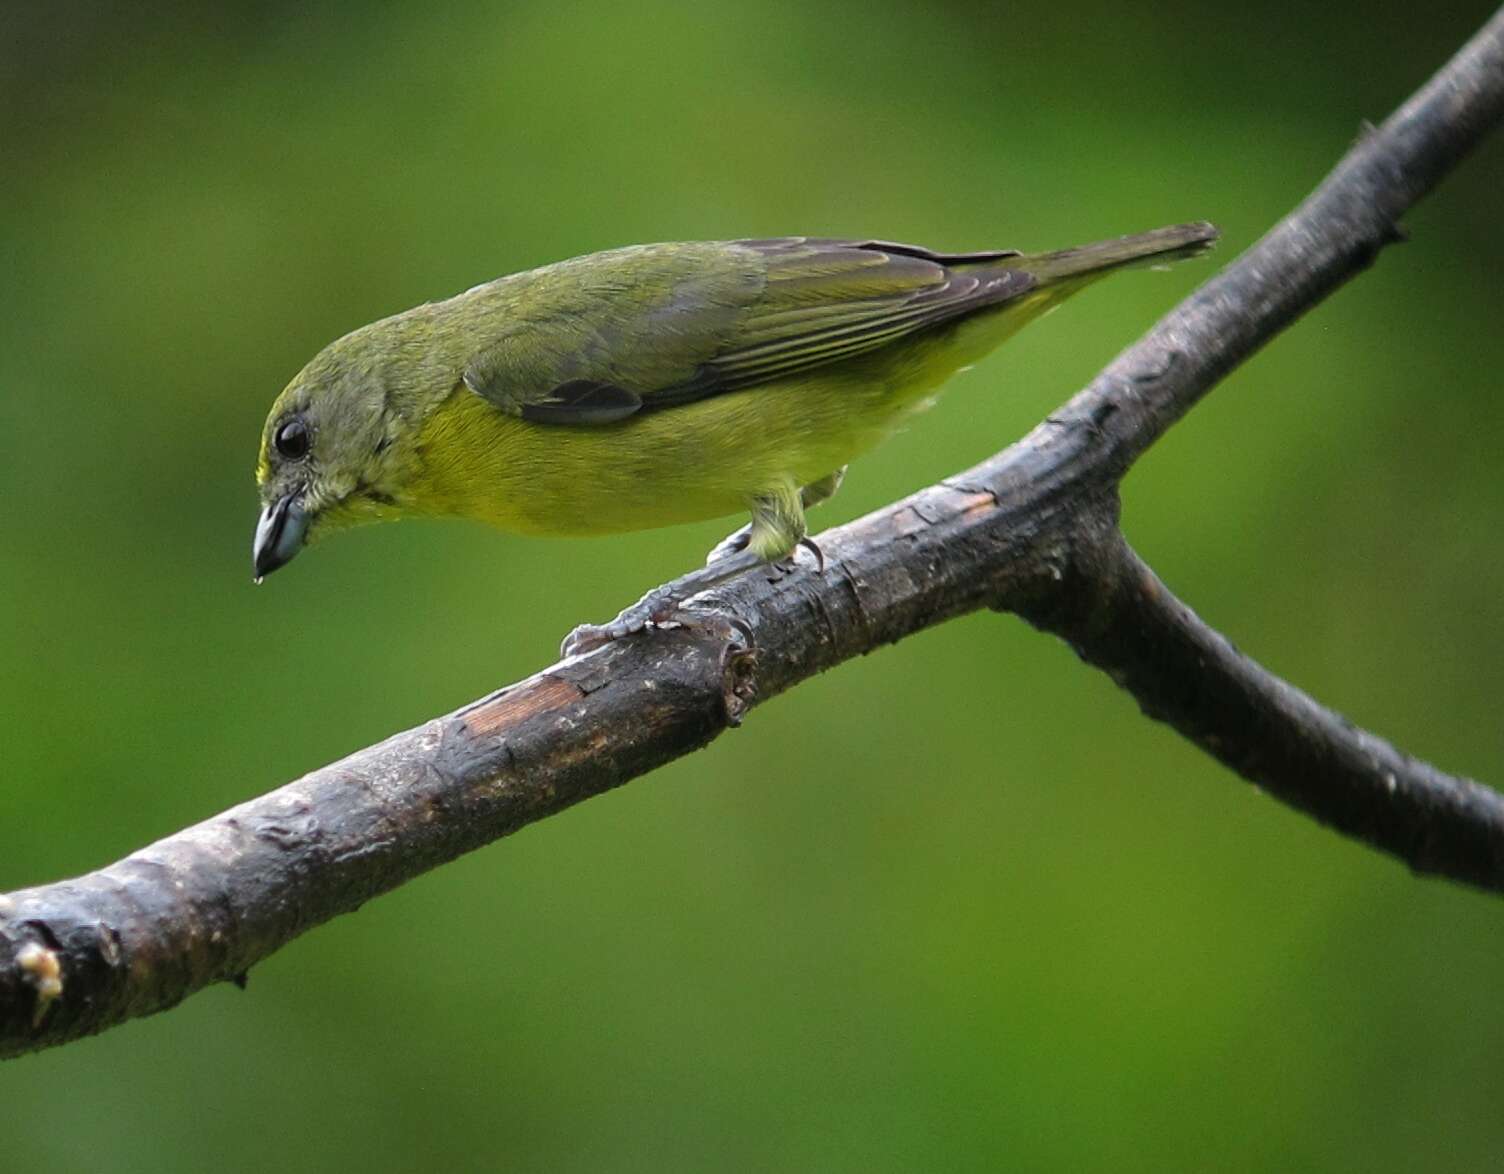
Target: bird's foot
x,y
588,637
736,542
813,547
662,607
784,567
654,610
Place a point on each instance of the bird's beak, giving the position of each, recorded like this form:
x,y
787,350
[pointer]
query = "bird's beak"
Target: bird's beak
x,y
279,534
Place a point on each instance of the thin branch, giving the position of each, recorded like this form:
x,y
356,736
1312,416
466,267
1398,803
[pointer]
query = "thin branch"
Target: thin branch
x,y
1122,619
1032,530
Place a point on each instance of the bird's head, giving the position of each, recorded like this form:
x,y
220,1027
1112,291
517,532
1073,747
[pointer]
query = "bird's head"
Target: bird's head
x,y
332,450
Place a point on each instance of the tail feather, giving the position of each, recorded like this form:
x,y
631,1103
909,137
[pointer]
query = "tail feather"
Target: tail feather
x,y
1159,247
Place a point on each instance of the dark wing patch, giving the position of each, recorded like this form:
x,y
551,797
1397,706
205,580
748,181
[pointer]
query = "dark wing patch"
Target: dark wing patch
x,y
582,401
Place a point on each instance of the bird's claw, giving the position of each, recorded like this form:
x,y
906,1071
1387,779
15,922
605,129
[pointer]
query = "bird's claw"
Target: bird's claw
x,y
737,542
787,566
660,613
656,609
663,607
585,638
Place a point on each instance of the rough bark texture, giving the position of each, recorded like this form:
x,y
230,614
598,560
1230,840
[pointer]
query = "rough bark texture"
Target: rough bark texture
x,y
1033,530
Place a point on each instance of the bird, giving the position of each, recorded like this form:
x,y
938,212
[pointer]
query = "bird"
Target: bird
x,y
652,385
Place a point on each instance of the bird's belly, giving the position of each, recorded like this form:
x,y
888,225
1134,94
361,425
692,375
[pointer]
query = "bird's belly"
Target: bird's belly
x,y
684,464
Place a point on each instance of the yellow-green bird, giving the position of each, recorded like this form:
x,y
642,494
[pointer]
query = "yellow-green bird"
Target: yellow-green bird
x,y
651,385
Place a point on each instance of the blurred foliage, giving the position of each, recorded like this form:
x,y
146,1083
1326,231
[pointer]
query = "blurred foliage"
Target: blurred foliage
x,y
956,906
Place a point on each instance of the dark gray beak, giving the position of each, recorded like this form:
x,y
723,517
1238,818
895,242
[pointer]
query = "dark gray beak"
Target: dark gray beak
x,y
279,534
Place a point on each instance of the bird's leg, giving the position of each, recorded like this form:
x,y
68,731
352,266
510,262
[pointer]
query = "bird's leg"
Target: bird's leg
x,y
812,495
809,497
659,607
777,529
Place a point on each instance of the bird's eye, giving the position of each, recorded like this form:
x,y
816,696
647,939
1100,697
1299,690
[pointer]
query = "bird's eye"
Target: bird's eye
x,y
291,440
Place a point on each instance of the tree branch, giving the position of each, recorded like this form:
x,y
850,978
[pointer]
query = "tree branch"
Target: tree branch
x,y
1032,530
1122,619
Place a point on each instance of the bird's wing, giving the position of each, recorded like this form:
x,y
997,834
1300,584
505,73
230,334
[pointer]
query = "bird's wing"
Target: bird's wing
x,y
668,325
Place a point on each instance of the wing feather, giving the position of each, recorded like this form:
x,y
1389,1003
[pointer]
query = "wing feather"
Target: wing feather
x,y
833,300
667,331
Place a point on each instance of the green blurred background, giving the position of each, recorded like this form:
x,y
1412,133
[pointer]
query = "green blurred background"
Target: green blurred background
x,y
957,906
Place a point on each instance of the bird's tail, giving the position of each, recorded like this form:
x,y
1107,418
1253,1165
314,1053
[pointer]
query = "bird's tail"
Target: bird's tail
x,y
1159,247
